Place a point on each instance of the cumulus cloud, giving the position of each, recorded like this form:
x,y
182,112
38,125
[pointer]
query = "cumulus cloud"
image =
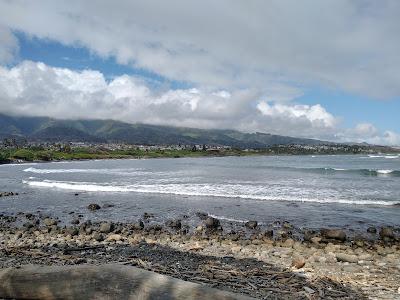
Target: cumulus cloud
x,y
263,45
366,132
37,89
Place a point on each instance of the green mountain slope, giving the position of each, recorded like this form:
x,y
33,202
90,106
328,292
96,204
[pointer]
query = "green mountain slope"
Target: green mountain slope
x,y
47,129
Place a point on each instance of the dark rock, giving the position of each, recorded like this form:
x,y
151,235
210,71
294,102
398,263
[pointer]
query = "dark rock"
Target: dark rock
x,y
371,229
287,225
202,215
138,225
386,232
335,234
72,231
269,233
147,216
251,224
76,194
8,194
29,216
75,221
28,225
106,227
308,235
108,205
98,237
184,230
212,223
174,224
93,206
155,227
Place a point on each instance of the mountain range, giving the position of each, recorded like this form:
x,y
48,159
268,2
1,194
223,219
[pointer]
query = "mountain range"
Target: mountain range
x,y
46,129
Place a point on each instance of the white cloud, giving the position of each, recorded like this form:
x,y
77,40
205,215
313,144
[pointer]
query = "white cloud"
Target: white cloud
x,y
274,46
8,45
37,89
366,132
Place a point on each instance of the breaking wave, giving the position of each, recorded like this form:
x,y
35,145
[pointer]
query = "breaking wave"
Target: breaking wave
x,y
384,156
257,192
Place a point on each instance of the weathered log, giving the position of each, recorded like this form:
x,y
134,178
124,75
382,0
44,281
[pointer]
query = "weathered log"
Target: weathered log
x,y
100,282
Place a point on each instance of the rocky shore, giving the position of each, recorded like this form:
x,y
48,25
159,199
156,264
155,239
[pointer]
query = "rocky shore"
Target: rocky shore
x,y
280,263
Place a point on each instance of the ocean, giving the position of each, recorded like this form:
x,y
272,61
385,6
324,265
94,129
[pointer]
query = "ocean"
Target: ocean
x,y
348,191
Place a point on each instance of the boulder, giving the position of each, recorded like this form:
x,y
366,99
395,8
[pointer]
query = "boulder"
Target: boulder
x,y
386,232
335,234
93,206
106,227
211,223
72,231
347,257
251,224
139,225
98,237
49,222
174,224
298,262
202,215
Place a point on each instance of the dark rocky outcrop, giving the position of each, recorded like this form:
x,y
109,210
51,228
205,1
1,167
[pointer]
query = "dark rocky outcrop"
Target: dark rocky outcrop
x,y
251,224
93,206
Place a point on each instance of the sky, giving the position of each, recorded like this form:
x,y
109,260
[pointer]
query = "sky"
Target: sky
x,y
316,69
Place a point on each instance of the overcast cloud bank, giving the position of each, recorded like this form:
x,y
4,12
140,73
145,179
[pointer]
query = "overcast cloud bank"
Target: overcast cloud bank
x,y
247,61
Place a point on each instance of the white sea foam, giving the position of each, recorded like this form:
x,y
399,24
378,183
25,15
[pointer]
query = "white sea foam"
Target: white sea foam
x,y
384,171
262,193
384,156
132,171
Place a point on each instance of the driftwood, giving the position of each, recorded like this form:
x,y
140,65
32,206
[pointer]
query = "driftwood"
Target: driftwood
x,y
100,282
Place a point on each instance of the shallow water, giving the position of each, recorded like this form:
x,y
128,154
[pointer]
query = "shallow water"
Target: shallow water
x,y
351,191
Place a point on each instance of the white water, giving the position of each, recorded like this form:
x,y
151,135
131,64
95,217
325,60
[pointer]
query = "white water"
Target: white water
x,y
255,192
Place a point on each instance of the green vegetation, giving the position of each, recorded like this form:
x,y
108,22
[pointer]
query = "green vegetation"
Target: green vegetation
x,y
37,154
65,152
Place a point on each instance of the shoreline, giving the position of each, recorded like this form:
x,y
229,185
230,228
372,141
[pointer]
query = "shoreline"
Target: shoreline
x,y
184,154
248,260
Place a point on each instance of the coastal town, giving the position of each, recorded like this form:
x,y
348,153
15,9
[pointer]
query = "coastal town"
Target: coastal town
x,y
19,150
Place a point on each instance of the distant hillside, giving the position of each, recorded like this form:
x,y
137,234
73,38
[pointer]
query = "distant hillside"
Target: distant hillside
x,y
47,129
